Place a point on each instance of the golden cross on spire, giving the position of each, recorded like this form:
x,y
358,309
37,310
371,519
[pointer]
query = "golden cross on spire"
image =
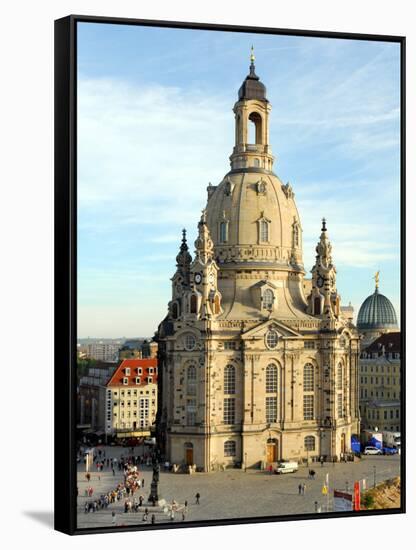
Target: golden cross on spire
x,y
252,57
377,278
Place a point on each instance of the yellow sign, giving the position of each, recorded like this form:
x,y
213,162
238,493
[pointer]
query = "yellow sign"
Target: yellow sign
x,y
324,490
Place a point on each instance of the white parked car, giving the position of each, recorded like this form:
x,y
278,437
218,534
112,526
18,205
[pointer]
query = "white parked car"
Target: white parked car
x,y
286,468
372,451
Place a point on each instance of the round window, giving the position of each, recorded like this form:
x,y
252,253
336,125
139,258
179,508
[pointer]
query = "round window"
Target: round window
x,y
190,342
271,339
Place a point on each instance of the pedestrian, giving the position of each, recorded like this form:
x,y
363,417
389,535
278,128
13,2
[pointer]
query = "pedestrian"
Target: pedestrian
x,y
303,488
113,517
322,461
114,472
300,488
197,497
143,483
153,518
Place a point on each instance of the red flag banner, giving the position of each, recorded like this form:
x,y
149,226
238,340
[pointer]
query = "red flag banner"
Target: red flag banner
x,y
357,496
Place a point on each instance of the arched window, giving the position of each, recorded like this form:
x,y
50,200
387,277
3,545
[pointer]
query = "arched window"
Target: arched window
x,y
194,303
271,388
317,306
309,443
175,310
223,232
268,298
255,129
264,231
191,380
339,376
271,379
229,379
272,339
308,392
229,448
308,377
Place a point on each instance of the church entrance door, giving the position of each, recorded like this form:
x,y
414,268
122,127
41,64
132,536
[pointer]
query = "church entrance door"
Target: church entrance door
x,y
271,452
189,454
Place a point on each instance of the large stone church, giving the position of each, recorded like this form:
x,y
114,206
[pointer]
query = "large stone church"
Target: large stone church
x,y
256,363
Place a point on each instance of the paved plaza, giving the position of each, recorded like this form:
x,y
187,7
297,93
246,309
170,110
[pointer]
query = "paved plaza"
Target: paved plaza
x,y
229,494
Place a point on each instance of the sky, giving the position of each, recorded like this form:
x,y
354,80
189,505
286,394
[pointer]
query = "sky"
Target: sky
x,y
155,126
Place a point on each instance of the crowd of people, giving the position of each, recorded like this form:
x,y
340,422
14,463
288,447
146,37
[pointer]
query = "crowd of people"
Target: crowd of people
x,y
125,492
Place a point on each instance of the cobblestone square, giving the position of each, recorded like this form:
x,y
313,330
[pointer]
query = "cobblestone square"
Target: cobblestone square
x,y
228,494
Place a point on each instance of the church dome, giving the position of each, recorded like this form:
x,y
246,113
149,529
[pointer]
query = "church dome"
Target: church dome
x,y
253,219
376,312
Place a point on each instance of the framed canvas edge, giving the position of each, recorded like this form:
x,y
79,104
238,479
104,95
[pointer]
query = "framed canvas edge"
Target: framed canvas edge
x,y
65,302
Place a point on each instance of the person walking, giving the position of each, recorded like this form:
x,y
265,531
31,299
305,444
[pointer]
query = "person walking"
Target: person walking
x,y
300,488
322,461
197,497
153,519
303,488
113,517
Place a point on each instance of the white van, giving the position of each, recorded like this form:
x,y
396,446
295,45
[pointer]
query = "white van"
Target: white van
x,y
286,468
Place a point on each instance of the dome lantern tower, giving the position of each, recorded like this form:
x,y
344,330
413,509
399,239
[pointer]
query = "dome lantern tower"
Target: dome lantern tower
x,y
252,150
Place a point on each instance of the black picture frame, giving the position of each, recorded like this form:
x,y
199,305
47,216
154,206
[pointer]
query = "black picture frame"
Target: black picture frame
x,y
66,266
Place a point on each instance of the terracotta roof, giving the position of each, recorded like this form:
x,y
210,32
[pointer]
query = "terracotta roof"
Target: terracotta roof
x,y
133,364
391,342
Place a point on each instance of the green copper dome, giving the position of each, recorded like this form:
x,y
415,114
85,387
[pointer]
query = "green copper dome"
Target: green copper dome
x,y
376,312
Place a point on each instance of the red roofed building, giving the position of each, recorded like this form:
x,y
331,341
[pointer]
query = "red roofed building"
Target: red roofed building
x,y
131,398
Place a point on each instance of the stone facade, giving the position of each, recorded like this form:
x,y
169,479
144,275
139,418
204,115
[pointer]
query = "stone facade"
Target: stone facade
x,y
380,383
252,369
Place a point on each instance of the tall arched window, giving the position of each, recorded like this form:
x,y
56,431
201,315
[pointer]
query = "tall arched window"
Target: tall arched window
x,y
268,297
229,379
264,231
271,393
175,310
339,376
194,303
191,380
255,129
223,232
340,397
308,377
308,392
271,379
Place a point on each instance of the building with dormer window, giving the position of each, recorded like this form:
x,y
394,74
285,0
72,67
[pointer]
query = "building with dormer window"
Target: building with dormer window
x,y
131,399
256,363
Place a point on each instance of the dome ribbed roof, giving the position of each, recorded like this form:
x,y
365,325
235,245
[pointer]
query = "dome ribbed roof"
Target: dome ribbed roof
x,y
376,312
252,88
